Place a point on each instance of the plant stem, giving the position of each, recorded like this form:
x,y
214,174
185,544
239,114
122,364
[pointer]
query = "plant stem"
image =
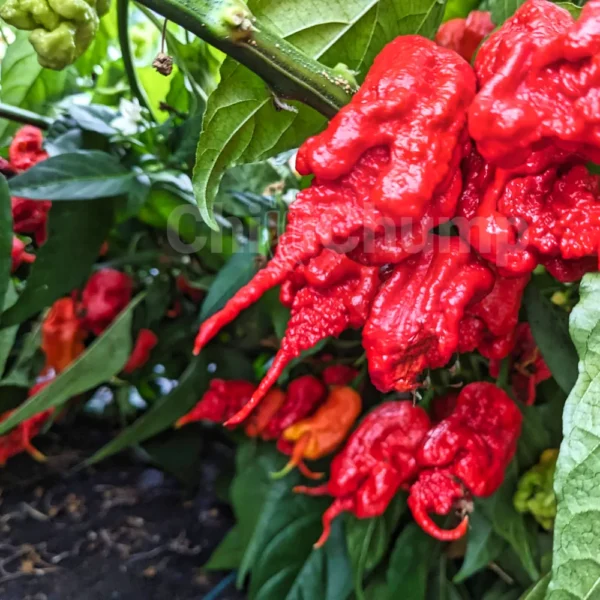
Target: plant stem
x,y
230,26
123,29
20,115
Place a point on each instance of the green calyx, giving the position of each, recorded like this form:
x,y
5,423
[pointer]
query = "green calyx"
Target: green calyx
x,y
61,30
535,492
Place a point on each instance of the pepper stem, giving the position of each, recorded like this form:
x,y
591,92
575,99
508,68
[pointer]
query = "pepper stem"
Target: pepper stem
x,y
231,27
26,117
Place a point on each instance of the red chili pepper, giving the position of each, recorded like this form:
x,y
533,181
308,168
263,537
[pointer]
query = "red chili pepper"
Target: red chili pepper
x,y
140,355
18,254
31,217
378,459
26,149
538,76
528,366
19,439
365,171
320,434
336,295
415,319
272,403
220,402
105,295
184,286
62,335
465,35
338,375
472,448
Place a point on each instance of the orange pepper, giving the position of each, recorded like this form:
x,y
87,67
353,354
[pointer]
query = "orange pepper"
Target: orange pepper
x,y
62,335
322,433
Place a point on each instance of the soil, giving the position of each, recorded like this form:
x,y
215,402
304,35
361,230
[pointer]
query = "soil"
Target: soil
x,y
123,530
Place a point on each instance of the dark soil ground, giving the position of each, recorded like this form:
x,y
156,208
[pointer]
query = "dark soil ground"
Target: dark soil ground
x,y
120,531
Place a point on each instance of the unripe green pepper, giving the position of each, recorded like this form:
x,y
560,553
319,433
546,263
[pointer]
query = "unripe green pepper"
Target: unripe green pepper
x,y
61,30
535,493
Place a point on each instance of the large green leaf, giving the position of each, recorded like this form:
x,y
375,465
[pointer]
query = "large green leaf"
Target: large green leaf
x,y
576,558
549,326
538,590
76,233
104,358
8,334
81,175
241,124
503,9
25,83
6,236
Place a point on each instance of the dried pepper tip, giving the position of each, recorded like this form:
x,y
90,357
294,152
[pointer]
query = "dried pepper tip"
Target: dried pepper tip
x,y
269,407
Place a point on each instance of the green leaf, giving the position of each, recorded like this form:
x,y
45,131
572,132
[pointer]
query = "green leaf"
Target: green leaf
x,y
456,9
6,237
228,554
368,540
238,271
572,8
576,556
241,124
8,334
503,9
25,83
538,590
411,559
483,547
508,523
157,88
192,384
58,268
104,358
549,326
94,117
81,175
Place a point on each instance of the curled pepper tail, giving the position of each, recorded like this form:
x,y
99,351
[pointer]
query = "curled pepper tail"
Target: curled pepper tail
x,y
297,460
322,490
428,526
339,506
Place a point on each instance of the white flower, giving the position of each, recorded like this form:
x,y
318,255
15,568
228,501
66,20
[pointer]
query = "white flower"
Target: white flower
x,y
131,115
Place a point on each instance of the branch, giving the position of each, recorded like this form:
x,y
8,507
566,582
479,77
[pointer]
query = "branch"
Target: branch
x,y
26,117
231,27
123,29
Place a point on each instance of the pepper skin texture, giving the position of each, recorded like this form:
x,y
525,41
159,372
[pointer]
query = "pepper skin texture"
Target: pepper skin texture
x,y
19,439
538,77
465,35
436,492
31,217
335,294
535,491
377,460
528,367
18,254
319,435
272,403
26,148
220,402
338,375
105,295
466,452
61,30
367,178
415,318
62,335
144,344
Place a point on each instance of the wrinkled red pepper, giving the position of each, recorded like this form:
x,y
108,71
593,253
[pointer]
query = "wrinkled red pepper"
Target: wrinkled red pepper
x,y
471,447
364,170
465,35
144,344
105,295
528,367
272,403
331,294
378,459
26,149
31,217
18,254
338,375
415,319
220,402
62,335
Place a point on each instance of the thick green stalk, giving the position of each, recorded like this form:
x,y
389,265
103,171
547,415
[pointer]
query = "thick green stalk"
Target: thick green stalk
x,y
230,26
26,117
123,29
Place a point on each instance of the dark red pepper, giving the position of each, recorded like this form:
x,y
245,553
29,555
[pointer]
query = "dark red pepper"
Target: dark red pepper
x,y
144,344
465,35
18,254
26,148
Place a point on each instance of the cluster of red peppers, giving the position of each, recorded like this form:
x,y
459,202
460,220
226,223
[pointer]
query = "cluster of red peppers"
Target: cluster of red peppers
x,y
496,153
30,217
441,464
